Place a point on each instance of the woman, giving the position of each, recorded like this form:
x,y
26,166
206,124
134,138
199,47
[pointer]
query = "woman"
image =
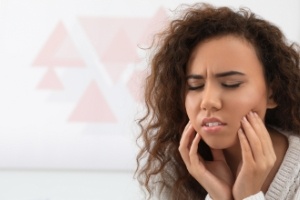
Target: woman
x,y
223,110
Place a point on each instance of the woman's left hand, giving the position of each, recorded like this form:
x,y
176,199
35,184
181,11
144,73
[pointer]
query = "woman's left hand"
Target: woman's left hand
x,y
258,157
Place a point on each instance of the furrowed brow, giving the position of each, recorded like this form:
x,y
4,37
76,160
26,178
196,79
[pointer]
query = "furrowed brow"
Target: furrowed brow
x,y
218,75
229,73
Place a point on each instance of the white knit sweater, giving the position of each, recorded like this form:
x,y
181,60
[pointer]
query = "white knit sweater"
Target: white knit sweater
x,y
286,183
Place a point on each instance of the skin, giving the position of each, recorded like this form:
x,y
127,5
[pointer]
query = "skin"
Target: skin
x,y
225,83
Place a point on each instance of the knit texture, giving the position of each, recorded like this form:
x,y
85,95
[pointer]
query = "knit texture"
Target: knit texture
x,y
286,183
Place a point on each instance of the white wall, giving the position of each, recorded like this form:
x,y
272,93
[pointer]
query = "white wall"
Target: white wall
x,y
68,92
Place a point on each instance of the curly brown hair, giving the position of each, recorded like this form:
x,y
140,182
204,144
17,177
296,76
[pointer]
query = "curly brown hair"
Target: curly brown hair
x,y
160,167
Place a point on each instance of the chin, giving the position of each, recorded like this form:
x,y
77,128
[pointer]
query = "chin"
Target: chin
x,y
220,144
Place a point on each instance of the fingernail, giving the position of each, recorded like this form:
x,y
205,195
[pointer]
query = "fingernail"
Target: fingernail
x,y
244,119
250,114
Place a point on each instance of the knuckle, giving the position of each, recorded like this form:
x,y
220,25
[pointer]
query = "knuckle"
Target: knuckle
x,y
265,166
180,151
274,158
191,169
180,148
271,163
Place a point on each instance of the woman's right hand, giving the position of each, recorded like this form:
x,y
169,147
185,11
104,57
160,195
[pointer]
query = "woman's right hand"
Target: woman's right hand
x,y
214,176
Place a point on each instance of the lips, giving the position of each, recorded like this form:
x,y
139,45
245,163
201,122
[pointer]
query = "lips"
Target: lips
x,y
212,122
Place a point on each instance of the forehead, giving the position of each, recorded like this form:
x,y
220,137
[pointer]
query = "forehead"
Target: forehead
x,y
224,53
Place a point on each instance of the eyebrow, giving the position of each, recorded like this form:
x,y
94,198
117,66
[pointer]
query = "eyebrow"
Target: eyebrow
x,y
219,75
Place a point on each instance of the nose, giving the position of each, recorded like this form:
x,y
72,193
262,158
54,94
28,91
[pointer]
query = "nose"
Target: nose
x,y
211,99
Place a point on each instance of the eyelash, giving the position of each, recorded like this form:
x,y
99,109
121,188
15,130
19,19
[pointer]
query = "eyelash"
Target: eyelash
x,y
196,88
224,85
232,85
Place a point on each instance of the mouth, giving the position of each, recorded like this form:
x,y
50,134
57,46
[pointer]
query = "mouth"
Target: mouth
x,y
213,124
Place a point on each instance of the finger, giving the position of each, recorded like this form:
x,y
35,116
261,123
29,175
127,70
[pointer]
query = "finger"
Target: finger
x,y
194,156
187,136
267,144
262,133
253,140
187,126
245,147
185,142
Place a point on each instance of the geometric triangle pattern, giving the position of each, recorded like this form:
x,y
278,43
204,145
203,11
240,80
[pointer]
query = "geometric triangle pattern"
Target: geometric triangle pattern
x,y
135,85
115,70
92,107
154,26
50,81
116,43
102,30
59,51
120,50
119,53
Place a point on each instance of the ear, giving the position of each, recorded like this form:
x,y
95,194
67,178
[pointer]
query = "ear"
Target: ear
x,y
270,102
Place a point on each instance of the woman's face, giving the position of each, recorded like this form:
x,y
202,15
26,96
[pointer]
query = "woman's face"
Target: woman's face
x,y
225,81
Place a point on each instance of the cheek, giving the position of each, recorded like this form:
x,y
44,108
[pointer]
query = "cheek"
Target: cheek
x,y
191,105
251,101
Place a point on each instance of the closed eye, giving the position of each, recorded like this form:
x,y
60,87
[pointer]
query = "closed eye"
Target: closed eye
x,y
195,82
195,87
235,85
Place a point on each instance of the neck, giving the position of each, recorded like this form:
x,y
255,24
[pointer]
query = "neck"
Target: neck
x,y
233,156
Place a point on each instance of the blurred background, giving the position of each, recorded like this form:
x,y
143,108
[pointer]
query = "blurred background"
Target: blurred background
x,y
71,74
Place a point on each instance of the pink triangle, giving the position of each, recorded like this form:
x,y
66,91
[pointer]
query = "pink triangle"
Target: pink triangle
x,y
154,26
136,85
50,81
121,50
101,37
59,50
92,107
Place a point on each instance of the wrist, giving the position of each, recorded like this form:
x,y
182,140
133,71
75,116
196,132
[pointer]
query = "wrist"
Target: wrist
x,y
258,196
223,197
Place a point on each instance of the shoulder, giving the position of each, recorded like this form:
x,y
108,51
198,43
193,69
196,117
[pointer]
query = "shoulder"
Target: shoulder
x,y
293,151
287,180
